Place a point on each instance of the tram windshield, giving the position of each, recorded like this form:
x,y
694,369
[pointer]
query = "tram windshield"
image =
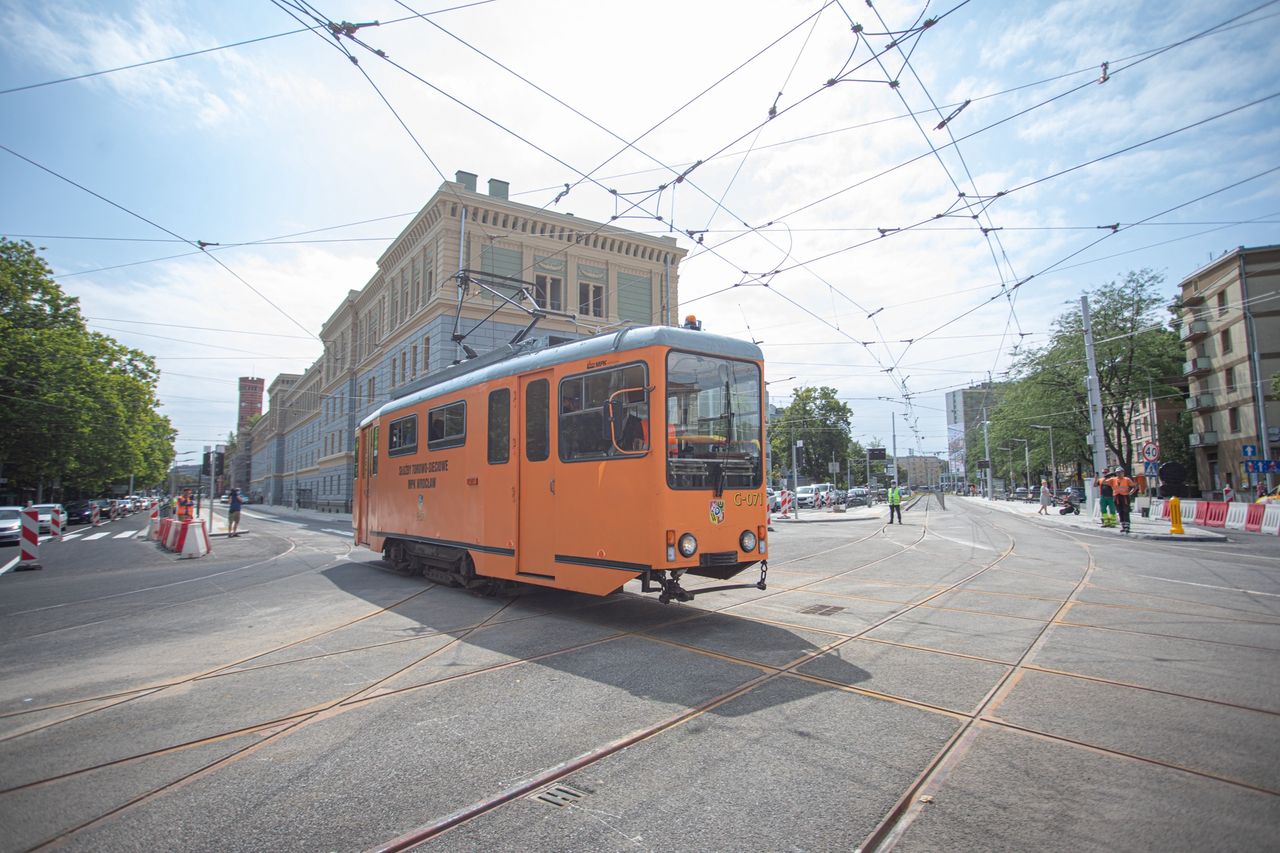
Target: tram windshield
x,y
713,423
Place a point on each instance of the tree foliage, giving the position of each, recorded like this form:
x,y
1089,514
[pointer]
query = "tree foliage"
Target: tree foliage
x,y
1138,355
78,407
816,417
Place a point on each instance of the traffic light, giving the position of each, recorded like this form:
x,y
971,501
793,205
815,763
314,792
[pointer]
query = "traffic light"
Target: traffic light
x,y
204,466
219,463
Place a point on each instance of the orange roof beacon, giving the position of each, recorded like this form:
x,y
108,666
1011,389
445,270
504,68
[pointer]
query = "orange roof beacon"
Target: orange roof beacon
x,y
537,465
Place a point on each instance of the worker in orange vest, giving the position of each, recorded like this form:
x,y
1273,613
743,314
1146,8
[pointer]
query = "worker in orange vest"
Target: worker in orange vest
x,y
1124,488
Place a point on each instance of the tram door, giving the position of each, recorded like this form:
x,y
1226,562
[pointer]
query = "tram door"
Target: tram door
x,y
536,547
361,519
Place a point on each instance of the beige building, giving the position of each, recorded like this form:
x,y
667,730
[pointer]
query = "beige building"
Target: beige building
x,y
920,471
466,275
1231,331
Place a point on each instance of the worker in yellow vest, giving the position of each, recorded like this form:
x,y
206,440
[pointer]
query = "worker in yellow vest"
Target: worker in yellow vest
x,y
895,503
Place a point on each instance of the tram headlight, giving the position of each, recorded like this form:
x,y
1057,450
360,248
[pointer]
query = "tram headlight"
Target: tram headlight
x,y
688,545
747,541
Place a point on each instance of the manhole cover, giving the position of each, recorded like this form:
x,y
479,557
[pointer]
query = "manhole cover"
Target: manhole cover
x,y
822,610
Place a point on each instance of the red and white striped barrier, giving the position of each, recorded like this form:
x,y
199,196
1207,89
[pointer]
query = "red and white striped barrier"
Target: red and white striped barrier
x,y
153,525
1271,519
95,516
1215,514
786,505
1253,519
193,539
1189,509
170,537
55,524
1236,514
30,543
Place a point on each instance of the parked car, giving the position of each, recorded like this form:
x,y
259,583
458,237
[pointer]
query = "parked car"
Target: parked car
x,y
857,497
774,499
46,515
1021,494
1273,495
804,496
10,524
224,499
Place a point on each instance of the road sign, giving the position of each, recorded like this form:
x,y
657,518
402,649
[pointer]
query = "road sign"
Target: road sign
x,y
1151,451
1261,466
984,464
1249,451
833,467
1151,469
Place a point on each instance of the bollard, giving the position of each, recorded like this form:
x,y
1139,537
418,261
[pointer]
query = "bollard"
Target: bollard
x,y
1175,516
30,546
786,505
95,517
55,524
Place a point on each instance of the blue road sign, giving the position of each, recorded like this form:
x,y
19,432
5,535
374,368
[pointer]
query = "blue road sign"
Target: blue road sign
x,y
1151,469
1261,466
1249,451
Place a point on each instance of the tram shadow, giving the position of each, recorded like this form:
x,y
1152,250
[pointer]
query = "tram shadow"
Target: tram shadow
x,y
667,653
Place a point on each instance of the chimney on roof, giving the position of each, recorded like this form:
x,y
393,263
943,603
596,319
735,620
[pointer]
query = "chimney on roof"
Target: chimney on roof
x,y
498,189
467,180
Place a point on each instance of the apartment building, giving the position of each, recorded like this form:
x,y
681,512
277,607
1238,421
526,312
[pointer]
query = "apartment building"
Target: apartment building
x,y
964,428
445,288
1231,331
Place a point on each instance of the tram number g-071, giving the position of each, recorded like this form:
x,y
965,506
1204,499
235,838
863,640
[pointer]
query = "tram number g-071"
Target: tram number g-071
x,y
635,454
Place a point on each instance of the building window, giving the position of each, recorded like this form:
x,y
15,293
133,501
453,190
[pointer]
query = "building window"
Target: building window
x,y
1229,380
1226,340
404,356
371,386
1222,303
1233,420
393,371
414,361
590,299
547,292
402,436
426,353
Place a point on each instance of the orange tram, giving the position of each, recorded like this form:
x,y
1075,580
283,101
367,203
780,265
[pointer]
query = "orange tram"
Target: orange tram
x,y
634,454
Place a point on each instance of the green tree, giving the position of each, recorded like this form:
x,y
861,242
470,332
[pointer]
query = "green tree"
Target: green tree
x,y
79,408
1137,353
816,417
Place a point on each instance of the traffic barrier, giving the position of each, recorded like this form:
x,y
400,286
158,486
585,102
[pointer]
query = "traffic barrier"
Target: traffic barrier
x,y
30,543
170,540
1160,509
153,525
1253,519
1189,511
1271,519
786,505
55,524
1236,515
95,516
1202,512
1175,516
1215,513
193,540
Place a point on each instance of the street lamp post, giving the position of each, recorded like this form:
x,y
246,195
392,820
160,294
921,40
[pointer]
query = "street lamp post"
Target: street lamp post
x,y
1053,460
1026,452
1008,486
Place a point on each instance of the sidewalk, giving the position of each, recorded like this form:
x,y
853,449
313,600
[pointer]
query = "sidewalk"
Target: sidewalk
x,y
1140,528
333,519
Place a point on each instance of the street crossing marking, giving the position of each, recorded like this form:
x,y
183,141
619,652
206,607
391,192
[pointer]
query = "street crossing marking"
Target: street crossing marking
x,y
339,532
96,536
126,534
72,535
1211,586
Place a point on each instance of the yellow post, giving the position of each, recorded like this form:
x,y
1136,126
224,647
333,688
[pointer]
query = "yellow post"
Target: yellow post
x,y
1175,516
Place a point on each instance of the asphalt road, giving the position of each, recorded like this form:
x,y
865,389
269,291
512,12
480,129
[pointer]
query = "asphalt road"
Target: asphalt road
x,y
971,680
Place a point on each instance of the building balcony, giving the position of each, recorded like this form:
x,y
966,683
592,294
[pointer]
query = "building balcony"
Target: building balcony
x,y
1192,298
1202,439
1194,330
1199,402
1197,366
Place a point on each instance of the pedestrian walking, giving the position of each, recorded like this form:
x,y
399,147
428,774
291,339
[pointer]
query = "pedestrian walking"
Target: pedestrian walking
x,y
1046,497
1124,488
895,503
233,513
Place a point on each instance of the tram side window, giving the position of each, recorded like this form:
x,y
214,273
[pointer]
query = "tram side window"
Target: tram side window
x,y
537,420
587,432
447,426
499,426
373,452
402,436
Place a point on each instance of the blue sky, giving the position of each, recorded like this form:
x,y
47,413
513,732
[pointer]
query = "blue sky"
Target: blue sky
x,y
285,135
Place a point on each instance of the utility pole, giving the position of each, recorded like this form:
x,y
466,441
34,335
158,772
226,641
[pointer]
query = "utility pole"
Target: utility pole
x,y
1026,452
1095,395
986,448
1053,460
795,474
893,430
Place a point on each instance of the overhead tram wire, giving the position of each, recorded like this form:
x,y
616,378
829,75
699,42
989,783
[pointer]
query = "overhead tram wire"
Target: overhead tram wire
x,y
194,243
192,53
1093,243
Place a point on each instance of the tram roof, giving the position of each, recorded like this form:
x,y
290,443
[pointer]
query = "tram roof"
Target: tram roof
x,y
511,359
